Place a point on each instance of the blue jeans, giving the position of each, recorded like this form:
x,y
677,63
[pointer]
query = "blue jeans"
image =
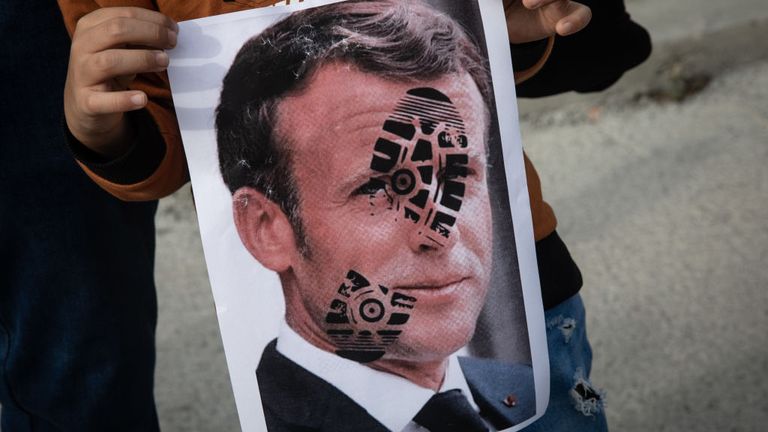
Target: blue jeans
x,y
77,298
574,404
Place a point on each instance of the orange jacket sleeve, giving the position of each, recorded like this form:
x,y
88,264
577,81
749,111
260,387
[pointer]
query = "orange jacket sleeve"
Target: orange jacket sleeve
x,y
171,172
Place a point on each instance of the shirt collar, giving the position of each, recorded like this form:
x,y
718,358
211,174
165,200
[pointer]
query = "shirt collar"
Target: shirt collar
x,y
395,400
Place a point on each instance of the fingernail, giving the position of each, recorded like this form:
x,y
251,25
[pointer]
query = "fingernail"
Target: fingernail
x,y
172,38
161,58
533,4
138,99
567,27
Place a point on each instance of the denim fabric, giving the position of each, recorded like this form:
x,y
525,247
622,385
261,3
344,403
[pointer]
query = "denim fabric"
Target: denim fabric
x,y
77,300
574,405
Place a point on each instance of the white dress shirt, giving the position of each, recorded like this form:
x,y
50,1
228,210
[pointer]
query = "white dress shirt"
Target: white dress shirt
x,y
392,400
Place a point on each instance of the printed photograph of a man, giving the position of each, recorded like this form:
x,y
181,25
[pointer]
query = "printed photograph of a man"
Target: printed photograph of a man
x,y
353,138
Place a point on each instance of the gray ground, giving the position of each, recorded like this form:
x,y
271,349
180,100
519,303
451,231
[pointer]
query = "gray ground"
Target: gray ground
x,y
661,190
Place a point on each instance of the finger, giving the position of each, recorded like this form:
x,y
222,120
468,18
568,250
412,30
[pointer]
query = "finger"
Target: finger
x,y
99,103
105,65
578,18
104,14
117,32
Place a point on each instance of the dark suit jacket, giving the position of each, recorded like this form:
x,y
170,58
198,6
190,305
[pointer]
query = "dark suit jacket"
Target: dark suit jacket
x,y
296,400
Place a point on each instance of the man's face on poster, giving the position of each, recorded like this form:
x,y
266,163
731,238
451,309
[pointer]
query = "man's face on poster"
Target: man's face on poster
x,y
393,199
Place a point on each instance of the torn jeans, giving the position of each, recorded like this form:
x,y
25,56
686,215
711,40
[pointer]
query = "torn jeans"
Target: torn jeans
x,y
575,405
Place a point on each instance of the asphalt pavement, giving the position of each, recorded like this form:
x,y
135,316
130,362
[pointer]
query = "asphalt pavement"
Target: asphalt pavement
x,y
661,190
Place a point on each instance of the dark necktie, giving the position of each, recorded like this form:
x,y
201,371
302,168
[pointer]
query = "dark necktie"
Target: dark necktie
x,y
450,412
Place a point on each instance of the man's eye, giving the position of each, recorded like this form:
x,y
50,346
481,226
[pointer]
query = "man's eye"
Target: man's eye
x,y
371,187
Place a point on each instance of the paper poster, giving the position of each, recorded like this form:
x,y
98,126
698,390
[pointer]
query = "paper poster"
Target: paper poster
x,y
360,188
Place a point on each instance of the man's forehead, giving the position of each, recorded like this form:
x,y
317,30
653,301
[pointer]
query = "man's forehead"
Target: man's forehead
x,y
341,103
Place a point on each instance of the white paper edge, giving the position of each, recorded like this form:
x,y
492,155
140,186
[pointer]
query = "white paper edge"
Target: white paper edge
x,y
500,58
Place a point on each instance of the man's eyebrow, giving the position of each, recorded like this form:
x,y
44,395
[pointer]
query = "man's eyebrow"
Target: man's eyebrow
x,y
364,125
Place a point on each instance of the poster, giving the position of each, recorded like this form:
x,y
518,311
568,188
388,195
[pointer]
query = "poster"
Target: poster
x,y
360,188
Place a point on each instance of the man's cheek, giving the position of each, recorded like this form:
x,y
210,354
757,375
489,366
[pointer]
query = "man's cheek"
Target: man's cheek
x,y
365,318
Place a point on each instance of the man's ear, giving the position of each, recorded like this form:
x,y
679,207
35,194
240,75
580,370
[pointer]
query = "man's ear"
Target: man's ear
x,y
264,229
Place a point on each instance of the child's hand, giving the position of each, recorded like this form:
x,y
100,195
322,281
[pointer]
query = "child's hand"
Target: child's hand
x,y
109,47
530,20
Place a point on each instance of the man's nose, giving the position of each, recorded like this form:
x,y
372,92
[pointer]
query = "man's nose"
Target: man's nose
x,y
423,239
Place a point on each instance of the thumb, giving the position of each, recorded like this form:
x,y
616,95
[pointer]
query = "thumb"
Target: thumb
x,y
565,17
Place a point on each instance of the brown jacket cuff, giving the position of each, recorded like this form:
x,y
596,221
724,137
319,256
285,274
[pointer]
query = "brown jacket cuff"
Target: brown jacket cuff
x,y
140,160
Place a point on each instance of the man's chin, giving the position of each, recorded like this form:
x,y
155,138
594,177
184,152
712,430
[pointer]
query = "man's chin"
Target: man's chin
x,y
431,349
437,330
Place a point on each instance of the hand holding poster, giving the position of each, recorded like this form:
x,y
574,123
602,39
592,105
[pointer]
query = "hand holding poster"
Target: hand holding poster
x,y
356,206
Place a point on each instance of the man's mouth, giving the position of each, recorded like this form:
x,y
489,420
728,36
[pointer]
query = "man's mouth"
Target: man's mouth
x,y
442,286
